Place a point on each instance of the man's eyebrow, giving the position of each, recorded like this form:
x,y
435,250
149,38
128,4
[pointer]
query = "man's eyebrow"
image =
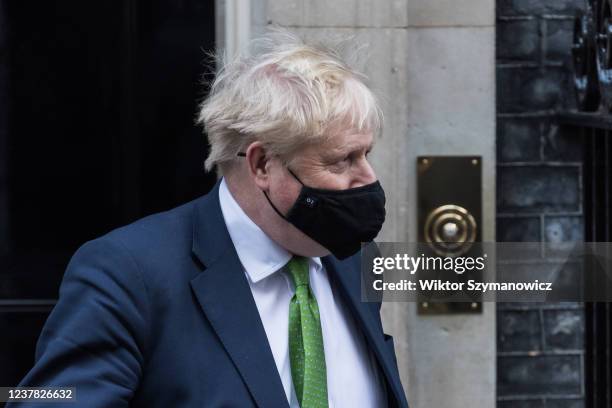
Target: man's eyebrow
x,y
367,147
347,149
333,153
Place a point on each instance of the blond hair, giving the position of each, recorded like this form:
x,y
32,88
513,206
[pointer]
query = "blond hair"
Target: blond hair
x,y
286,94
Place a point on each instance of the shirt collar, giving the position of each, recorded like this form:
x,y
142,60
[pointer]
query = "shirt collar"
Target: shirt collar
x,y
259,254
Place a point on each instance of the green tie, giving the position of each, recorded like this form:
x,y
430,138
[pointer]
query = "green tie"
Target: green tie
x,y
305,340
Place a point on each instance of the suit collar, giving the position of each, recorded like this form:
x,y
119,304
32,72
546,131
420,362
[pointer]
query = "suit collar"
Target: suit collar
x,y
210,237
226,299
258,253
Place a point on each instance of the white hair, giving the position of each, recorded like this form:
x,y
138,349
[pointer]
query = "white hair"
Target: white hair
x,y
286,94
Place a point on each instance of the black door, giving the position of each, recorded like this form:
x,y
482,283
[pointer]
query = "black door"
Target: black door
x,y
598,225
97,108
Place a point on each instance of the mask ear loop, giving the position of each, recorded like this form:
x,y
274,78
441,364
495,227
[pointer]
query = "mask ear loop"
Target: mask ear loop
x,y
296,177
242,154
274,207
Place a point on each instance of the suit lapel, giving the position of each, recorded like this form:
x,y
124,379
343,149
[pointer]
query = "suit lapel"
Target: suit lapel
x,y
226,299
348,281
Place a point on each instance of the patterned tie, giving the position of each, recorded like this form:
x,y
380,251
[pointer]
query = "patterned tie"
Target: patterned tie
x,y
306,340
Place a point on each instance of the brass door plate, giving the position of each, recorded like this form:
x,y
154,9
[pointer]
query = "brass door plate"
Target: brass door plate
x,y
449,217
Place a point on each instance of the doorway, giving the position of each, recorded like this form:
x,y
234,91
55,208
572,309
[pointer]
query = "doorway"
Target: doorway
x,y
100,99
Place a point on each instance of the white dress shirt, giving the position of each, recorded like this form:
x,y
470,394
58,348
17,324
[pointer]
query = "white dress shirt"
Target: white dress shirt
x,y
353,379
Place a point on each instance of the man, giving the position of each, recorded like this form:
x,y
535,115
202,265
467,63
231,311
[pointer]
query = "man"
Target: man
x,y
249,295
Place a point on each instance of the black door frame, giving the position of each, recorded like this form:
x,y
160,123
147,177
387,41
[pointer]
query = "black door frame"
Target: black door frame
x,y
595,130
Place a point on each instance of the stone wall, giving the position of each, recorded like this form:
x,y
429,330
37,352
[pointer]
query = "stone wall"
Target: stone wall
x,y
539,198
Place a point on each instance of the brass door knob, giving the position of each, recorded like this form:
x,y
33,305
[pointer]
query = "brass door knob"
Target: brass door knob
x,y
450,230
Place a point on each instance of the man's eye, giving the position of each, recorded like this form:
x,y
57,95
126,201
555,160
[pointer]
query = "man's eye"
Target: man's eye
x,y
341,160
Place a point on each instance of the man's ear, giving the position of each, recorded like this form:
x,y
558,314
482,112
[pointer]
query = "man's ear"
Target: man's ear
x,y
257,162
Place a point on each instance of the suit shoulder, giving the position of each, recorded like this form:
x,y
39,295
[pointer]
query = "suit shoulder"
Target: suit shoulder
x,y
149,250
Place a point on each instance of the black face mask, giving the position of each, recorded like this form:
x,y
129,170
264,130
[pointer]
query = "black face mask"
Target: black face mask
x,y
340,220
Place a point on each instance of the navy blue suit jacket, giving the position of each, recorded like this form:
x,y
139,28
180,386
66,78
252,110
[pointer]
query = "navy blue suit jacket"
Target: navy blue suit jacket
x,y
159,314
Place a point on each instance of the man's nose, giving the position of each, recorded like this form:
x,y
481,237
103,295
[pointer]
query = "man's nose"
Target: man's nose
x,y
365,174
